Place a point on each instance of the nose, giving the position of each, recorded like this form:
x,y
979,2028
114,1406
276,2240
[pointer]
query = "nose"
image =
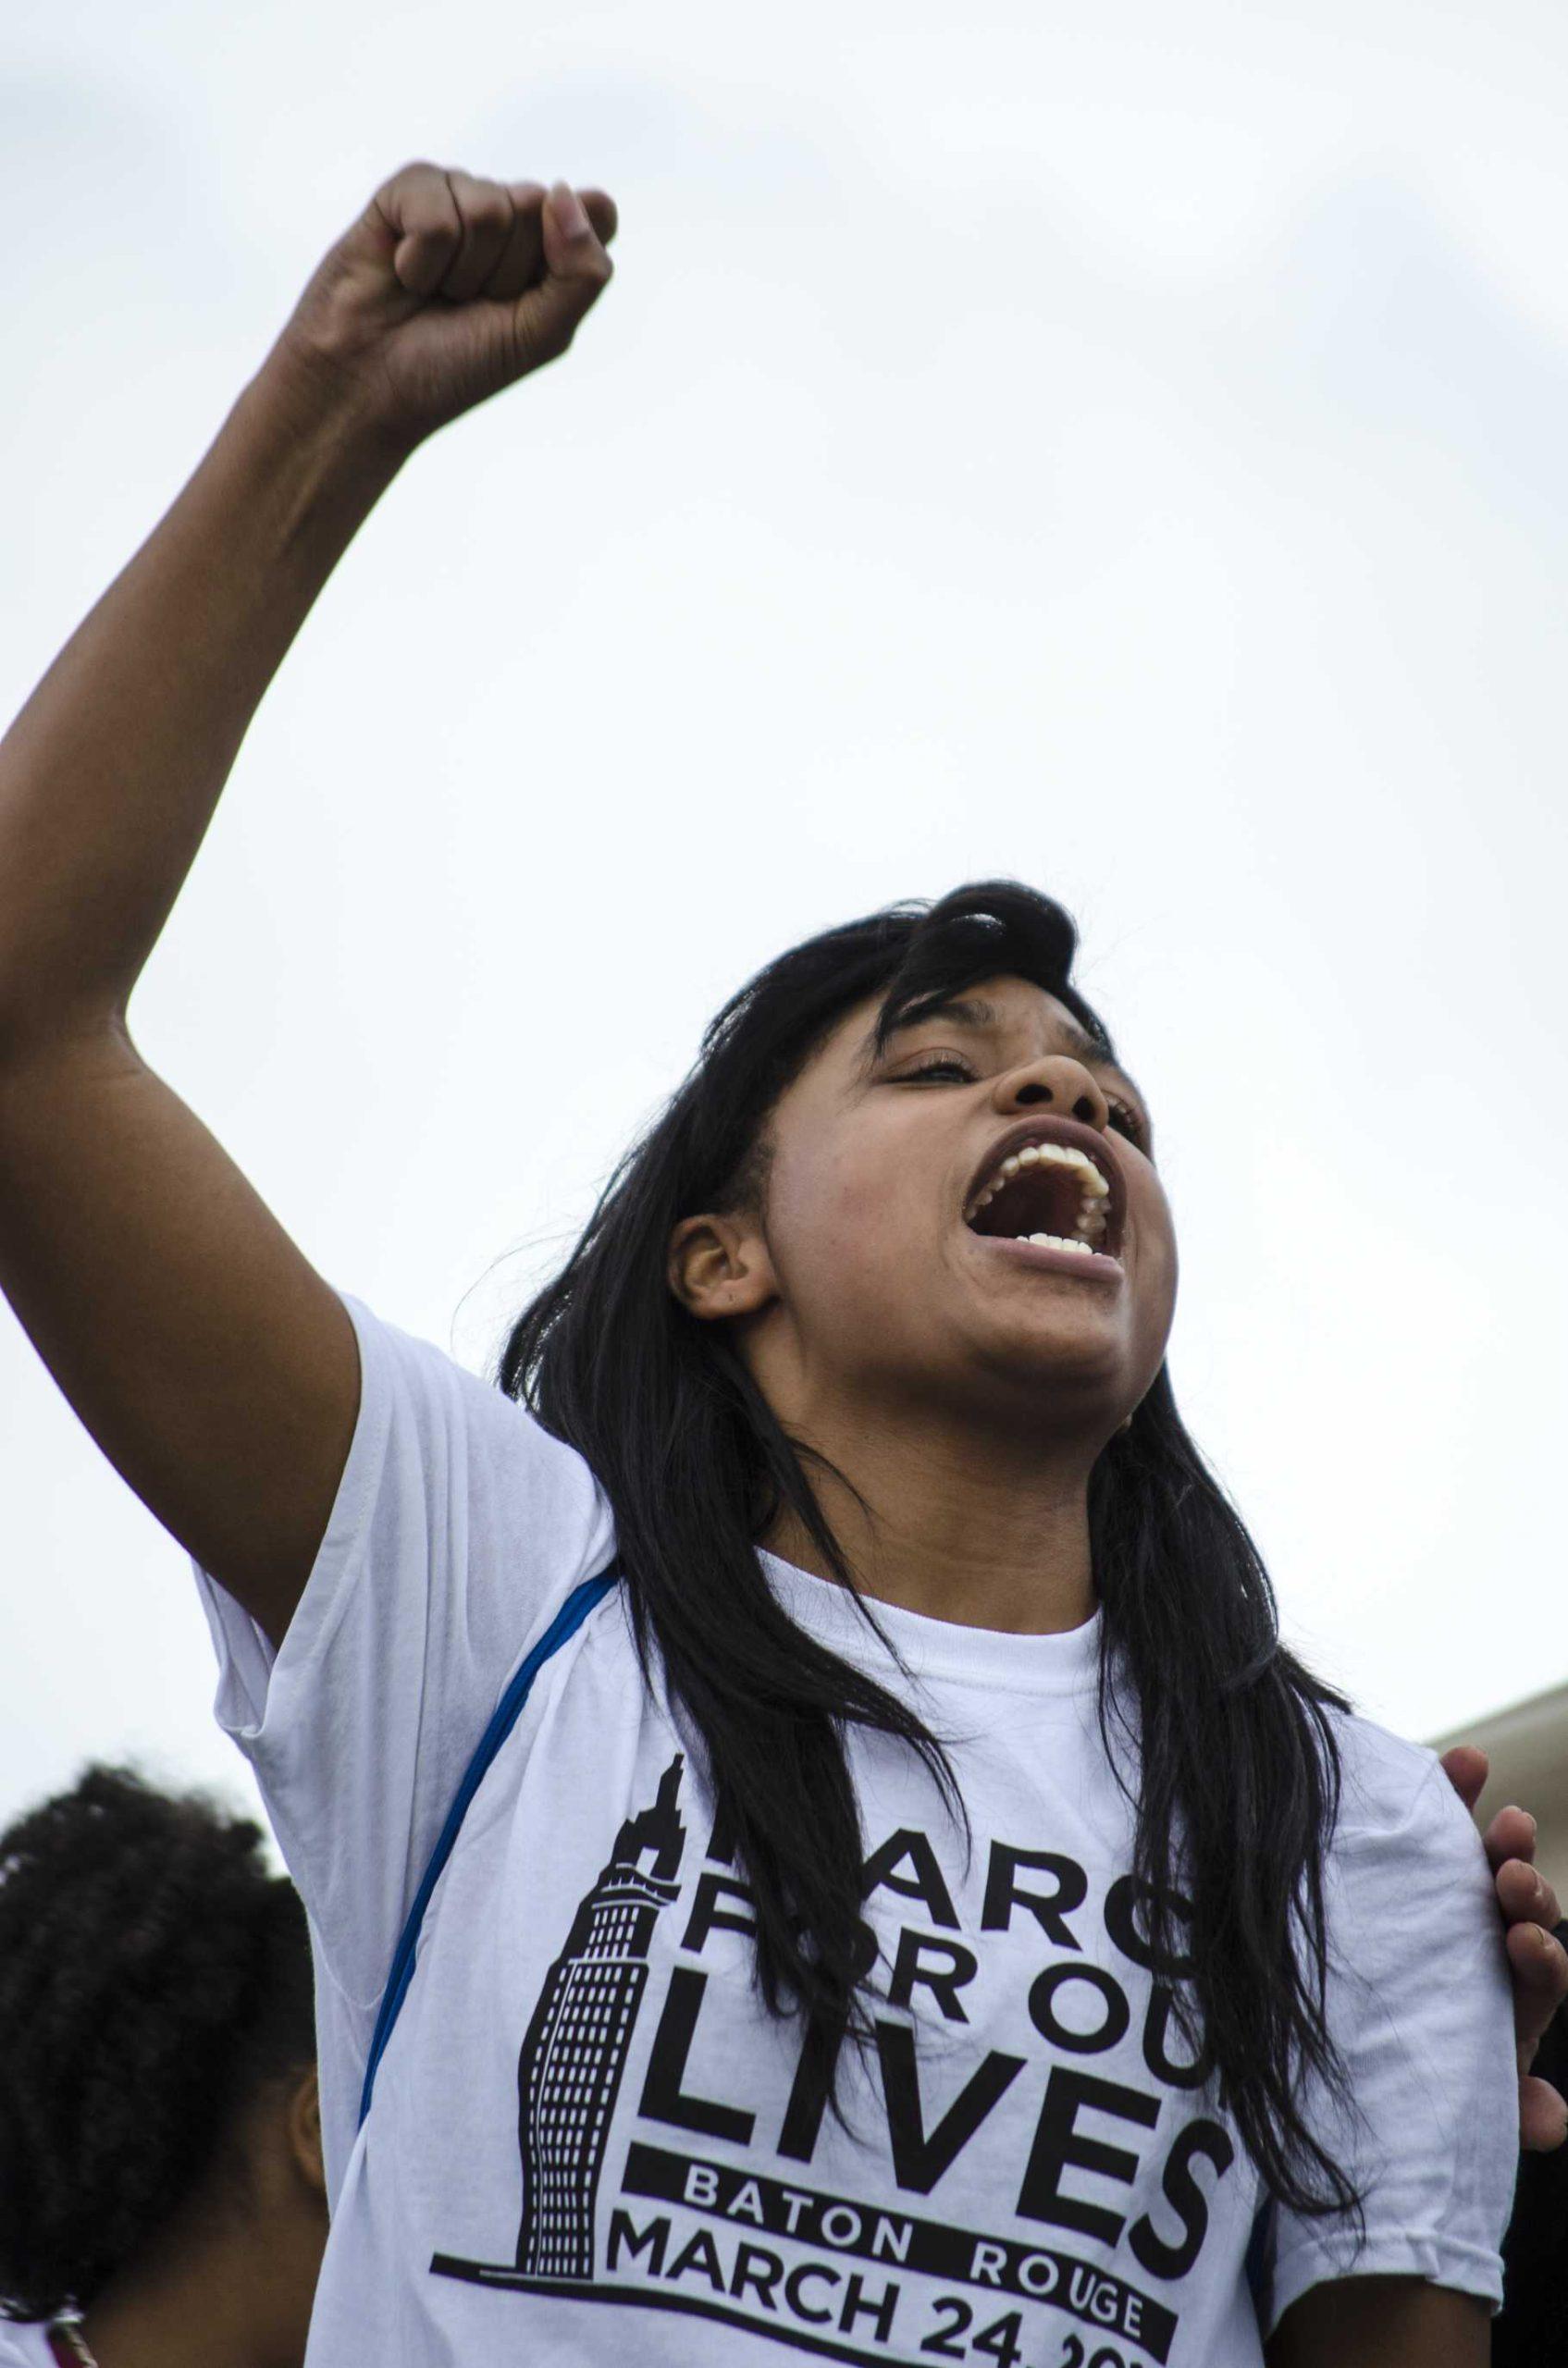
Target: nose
x,y
1059,1082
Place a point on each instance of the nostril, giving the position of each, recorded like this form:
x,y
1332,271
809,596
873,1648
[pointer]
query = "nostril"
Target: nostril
x,y
1035,1094
1084,1108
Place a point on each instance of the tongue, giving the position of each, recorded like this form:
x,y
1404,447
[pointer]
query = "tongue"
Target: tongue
x,y
1037,1200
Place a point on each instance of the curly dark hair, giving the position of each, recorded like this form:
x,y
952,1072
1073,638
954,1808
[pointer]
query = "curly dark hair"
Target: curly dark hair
x,y
155,1976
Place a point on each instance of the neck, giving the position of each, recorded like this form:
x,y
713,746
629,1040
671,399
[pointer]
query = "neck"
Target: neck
x,y
205,2305
986,1531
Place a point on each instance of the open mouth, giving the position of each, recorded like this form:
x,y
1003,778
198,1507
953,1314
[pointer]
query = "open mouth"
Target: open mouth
x,y
1057,1192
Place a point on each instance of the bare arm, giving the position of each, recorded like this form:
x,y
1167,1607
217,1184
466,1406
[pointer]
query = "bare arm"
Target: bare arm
x,y
208,1359
1381,2322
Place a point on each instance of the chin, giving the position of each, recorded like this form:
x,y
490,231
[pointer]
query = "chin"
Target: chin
x,y
1085,1367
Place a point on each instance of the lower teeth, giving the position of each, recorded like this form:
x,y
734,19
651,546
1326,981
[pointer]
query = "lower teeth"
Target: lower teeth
x,y
1058,1242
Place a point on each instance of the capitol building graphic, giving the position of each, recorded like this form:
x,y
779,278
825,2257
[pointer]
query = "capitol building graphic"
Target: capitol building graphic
x,y
575,2050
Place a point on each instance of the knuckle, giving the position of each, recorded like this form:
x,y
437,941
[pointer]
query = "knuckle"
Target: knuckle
x,y
478,197
409,176
418,203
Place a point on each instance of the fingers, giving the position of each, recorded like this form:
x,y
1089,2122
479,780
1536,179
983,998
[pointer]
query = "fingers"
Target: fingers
x,y
457,237
1543,2118
1466,1769
523,258
486,214
602,213
1512,1834
577,272
1538,1962
573,246
420,211
1525,1895
1538,1965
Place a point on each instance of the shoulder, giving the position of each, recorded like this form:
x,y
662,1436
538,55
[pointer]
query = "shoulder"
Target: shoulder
x,y
418,1405
395,1363
1394,1795
1408,1886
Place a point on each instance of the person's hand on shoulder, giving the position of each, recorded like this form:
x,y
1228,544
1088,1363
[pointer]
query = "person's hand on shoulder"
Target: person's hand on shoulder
x,y
1537,1963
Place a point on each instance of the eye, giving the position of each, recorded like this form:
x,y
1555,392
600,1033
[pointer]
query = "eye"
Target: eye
x,y
1126,1120
940,1066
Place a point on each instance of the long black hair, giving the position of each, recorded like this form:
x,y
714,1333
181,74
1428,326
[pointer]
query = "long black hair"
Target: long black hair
x,y
155,1977
1239,1774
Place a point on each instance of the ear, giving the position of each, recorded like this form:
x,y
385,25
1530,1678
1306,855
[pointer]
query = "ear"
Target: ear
x,y
720,1267
303,2120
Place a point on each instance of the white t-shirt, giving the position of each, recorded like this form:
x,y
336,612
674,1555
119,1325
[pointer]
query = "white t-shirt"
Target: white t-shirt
x,y
588,2141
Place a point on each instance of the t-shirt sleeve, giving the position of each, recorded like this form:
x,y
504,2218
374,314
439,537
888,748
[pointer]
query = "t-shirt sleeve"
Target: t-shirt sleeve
x,y
459,1527
1420,2008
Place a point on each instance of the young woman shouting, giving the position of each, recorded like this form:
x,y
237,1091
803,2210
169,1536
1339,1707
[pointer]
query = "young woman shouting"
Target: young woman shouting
x,y
912,1908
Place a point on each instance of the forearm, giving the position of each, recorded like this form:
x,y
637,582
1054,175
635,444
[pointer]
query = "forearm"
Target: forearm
x,y
110,774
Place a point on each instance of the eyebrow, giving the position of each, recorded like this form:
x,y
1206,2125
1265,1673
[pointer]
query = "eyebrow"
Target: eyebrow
x,y
973,1011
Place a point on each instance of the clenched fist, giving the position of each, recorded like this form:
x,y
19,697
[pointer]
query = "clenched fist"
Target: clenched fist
x,y
446,289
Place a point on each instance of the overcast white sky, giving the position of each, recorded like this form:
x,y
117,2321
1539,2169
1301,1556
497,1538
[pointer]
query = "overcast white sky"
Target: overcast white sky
x,y
1123,451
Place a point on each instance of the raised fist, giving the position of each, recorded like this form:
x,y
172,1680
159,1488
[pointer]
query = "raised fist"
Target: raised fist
x,y
444,290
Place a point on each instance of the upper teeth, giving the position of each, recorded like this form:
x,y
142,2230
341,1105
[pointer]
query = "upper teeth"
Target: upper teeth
x,y
1091,1182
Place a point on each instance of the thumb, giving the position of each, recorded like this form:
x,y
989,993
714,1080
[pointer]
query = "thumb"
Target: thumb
x,y
577,270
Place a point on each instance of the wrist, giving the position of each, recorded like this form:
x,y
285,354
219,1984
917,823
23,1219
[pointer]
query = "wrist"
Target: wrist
x,y
323,415
305,462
